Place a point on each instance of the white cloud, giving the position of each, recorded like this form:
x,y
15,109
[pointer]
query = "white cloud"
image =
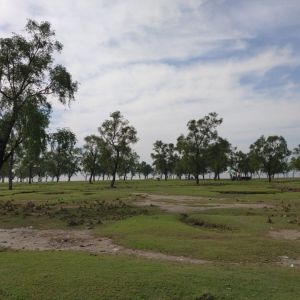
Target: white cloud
x,y
119,51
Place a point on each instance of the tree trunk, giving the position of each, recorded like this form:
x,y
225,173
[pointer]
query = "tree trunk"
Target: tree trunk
x,y
270,177
166,175
30,174
197,178
112,183
90,179
10,172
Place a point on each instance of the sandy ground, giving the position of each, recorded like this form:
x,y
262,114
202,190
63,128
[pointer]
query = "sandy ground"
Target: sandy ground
x,y
286,234
184,204
79,240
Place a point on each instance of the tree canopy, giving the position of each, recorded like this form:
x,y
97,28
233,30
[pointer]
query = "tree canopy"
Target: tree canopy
x,y
28,76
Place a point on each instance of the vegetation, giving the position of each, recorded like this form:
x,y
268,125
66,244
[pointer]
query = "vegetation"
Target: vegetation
x,y
27,77
180,239
243,257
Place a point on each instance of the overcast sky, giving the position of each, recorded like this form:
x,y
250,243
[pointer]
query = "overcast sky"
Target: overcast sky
x,y
164,62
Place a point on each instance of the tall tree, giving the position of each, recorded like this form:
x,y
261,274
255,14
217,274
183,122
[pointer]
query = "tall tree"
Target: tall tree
x,y
91,155
35,137
118,136
272,152
145,169
194,146
28,75
164,158
62,145
218,154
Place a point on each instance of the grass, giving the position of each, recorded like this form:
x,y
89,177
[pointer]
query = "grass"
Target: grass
x,y
247,241
70,275
236,240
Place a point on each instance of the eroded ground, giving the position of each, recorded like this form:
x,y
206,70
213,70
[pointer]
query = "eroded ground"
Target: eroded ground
x,y
85,240
79,240
184,204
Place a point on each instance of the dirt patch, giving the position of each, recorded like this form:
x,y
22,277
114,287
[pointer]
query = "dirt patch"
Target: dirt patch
x,y
289,262
183,204
84,240
285,234
289,189
247,192
79,240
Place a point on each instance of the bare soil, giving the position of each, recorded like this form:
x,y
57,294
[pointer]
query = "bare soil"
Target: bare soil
x,y
85,240
79,240
286,234
184,204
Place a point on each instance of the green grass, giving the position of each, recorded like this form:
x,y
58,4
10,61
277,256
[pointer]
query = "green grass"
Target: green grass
x,y
237,241
69,275
246,242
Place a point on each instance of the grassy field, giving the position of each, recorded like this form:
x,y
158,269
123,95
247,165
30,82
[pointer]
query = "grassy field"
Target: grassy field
x,y
243,258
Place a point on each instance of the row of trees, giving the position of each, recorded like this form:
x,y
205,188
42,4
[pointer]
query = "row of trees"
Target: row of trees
x,y
28,76
110,154
203,151
55,155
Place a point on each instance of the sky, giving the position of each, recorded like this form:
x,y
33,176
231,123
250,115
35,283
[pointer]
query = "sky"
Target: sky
x,y
165,62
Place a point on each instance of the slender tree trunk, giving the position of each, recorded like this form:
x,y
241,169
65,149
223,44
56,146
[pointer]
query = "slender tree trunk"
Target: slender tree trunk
x,y
112,183
10,174
30,174
197,178
91,177
57,178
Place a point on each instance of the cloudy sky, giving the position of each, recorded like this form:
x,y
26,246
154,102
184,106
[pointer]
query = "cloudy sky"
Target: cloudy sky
x,y
164,62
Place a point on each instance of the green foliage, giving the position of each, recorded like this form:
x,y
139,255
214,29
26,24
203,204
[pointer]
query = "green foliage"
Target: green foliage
x,y
118,136
194,146
272,153
164,158
63,158
27,77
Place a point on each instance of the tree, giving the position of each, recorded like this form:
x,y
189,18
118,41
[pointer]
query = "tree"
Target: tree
x,y
194,146
272,153
91,155
295,161
27,76
4,172
219,156
72,166
118,136
145,169
35,137
164,157
128,164
62,145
